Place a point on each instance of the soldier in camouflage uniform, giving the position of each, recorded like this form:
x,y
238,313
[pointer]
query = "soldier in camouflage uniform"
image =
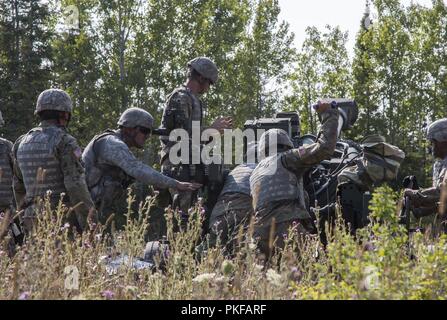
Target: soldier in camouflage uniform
x,y
183,106
46,159
277,182
233,209
111,166
6,193
7,210
427,201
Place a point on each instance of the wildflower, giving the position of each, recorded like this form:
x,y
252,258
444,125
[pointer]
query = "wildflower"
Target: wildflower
x,y
24,295
258,268
252,244
204,277
107,294
273,277
65,226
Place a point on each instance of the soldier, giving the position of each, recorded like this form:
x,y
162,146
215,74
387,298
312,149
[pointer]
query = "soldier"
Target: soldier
x,y
46,159
233,208
277,183
111,166
6,193
183,106
426,201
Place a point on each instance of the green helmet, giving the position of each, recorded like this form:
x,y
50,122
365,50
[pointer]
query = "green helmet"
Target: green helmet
x,y
282,139
54,99
205,67
136,117
438,130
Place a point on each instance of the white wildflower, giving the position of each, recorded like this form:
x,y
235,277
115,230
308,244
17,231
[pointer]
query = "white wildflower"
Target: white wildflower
x,y
273,277
204,277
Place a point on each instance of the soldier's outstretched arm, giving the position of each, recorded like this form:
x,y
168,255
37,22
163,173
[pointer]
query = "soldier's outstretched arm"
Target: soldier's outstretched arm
x,y
310,155
117,153
17,182
74,180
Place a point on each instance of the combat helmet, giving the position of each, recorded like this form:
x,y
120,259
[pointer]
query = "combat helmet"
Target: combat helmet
x,y
54,99
136,117
274,137
205,67
438,130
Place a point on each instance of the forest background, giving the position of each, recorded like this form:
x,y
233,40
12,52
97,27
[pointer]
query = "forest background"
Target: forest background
x,y
114,54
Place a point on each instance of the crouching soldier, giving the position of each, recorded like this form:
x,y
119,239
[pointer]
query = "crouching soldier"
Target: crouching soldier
x,y
111,166
277,182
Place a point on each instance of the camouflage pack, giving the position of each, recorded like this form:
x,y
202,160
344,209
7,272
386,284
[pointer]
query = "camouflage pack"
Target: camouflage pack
x,y
381,159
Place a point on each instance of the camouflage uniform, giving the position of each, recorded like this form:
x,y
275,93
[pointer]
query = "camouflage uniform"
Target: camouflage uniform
x,y
6,193
426,201
277,185
48,158
234,206
182,108
111,167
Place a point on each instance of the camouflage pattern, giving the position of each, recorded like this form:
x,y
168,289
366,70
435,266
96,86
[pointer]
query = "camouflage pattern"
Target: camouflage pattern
x,y
231,212
182,108
238,181
426,201
205,67
438,130
233,208
51,155
280,215
272,138
111,167
272,182
136,117
37,151
6,193
380,162
54,99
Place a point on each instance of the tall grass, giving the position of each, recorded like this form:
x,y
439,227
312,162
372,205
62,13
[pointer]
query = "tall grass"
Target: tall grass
x,y
377,263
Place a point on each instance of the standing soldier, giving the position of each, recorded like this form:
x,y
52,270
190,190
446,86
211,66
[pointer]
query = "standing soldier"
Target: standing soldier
x,y
111,166
46,159
182,108
277,182
425,202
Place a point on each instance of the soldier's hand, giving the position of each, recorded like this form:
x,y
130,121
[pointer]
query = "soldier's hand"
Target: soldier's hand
x,y
186,186
323,105
222,123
